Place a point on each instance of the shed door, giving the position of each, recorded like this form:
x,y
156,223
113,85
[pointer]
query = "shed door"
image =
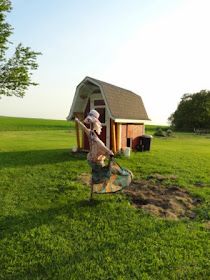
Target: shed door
x,y
97,103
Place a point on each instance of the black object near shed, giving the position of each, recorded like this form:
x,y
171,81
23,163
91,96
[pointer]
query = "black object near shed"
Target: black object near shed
x,y
144,143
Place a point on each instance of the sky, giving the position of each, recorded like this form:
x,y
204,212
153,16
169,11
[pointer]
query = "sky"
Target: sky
x,y
158,49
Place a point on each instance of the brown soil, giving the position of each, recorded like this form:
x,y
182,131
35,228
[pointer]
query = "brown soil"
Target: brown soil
x,y
170,202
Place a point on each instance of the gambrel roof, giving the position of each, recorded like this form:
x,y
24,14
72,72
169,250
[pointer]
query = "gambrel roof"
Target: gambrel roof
x,y
121,103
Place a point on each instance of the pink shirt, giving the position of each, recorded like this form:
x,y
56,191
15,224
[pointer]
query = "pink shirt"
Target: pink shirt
x,y
98,151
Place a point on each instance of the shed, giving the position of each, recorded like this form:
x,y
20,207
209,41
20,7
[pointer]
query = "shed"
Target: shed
x,y
122,113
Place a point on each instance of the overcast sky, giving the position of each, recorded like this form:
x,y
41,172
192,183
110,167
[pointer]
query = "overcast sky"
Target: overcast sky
x,y
160,49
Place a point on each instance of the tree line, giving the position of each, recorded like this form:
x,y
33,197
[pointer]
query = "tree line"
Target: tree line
x,y
192,113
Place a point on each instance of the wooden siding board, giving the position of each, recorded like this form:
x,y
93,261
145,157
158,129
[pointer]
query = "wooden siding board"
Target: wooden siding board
x,y
124,136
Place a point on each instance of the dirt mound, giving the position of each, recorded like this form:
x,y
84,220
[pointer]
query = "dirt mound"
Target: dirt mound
x,y
170,202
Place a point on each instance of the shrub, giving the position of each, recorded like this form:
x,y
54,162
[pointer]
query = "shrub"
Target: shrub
x,y
159,132
163,133
169,132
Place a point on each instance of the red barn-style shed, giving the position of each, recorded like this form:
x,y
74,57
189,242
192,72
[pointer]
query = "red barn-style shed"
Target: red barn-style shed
x,y
122,114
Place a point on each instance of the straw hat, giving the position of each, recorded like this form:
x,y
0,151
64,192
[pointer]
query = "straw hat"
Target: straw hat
x,y
93,117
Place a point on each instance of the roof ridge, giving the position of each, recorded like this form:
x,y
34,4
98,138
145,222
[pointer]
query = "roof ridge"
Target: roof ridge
x,y
112,85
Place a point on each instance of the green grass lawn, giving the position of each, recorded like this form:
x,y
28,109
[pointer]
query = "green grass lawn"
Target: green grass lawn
x,y
25,124
49,230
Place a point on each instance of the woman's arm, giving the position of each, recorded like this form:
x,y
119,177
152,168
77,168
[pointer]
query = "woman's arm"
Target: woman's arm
x,y
87,130
102,146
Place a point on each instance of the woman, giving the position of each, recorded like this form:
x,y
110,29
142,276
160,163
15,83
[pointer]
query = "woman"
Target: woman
x,y
105,178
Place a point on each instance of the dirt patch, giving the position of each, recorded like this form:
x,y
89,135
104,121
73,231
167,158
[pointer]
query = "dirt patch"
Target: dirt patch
x,y
170,202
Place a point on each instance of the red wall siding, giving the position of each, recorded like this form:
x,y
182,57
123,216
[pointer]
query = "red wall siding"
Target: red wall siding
x,y
124,136
133,131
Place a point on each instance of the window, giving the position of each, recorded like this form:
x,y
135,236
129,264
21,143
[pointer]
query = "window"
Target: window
x,y
129,142
99,102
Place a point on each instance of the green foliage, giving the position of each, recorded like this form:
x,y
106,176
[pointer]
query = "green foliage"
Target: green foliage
x,y
15,72
49,230
193,112
150,129
163,132
5,28
159,132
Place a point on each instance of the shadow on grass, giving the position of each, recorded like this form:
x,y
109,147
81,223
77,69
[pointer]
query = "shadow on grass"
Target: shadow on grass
x,y
37,157
88,203
11,225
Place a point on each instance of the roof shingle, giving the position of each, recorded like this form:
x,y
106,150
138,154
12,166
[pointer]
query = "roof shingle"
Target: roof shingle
x,y
123,104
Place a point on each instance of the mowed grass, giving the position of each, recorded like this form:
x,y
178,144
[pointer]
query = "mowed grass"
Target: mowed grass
x,y
49,230
26,124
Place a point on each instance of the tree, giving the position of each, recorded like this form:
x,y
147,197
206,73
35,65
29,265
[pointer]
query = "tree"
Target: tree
x,y
16,71
193,112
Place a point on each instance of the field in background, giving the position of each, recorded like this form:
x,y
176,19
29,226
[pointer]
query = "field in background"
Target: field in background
x,y
24,124
48,230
